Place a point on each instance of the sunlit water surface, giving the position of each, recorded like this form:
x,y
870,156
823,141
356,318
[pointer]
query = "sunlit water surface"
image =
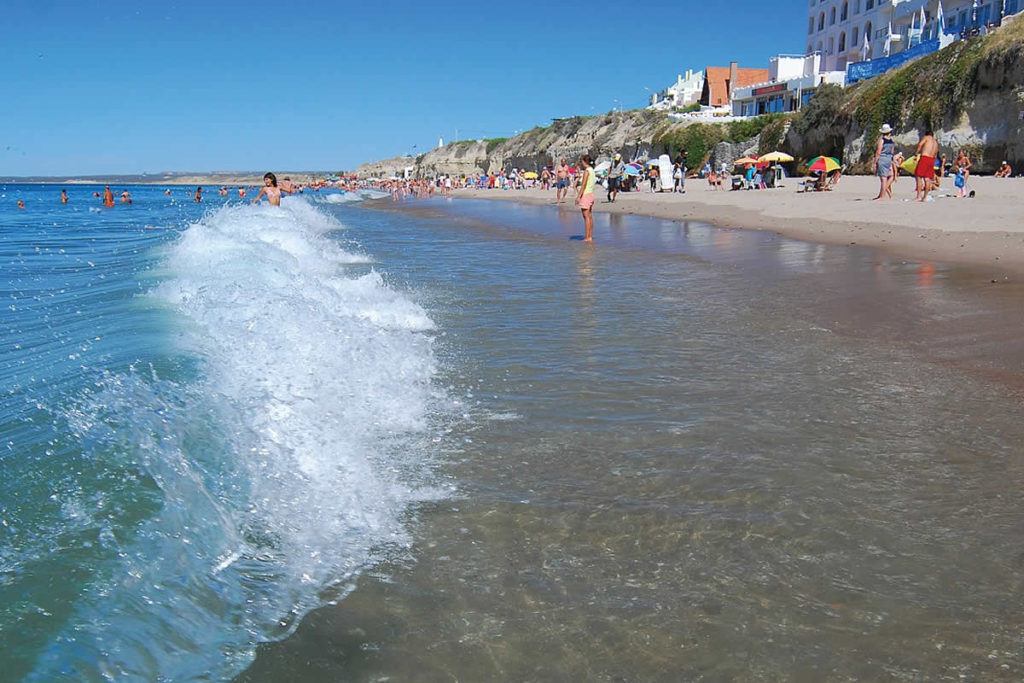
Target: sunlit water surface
x,y
458,444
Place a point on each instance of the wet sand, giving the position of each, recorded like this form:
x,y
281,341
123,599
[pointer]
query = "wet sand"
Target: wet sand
x,y
982,231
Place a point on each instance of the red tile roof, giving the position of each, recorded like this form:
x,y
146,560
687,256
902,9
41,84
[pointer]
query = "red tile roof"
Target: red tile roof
x,y
717,88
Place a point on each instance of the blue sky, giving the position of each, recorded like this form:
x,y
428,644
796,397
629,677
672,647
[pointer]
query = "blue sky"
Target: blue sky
x,y
144,87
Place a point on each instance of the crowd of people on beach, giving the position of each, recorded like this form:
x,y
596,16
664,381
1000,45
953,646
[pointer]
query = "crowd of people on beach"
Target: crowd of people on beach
x,y
927,165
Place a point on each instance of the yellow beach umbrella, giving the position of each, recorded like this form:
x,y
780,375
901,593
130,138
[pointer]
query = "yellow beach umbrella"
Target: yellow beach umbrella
x,y
530,175
776,157
745,160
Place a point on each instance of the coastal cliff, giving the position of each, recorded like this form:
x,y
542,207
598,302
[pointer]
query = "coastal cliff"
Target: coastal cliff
x,y
971,94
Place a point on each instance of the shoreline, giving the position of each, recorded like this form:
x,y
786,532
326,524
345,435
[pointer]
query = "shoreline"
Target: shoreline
x,y
982,231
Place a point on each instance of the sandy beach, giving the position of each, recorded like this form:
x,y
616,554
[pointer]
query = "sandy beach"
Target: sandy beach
x,y
982,231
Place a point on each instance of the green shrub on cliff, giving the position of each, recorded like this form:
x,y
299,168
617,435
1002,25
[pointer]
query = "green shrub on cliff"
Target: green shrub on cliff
x,y
772,134
698,139
493,142
822,123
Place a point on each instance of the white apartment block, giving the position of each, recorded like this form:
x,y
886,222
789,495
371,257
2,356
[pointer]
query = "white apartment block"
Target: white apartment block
x,y
684,92
846,31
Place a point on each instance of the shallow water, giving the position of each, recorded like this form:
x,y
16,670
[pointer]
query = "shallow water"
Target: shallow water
x,y
454,443
695,454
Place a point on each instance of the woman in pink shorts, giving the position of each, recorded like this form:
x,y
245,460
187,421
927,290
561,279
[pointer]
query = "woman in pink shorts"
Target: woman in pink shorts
x,y
585,197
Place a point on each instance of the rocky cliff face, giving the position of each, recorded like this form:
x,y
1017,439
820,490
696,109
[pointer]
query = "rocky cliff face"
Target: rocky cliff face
x,y
629,133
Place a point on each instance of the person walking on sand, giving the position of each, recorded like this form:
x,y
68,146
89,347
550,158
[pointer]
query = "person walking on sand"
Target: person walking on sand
x,y
924,174
883,163
615,177
271,189
561,181
585,197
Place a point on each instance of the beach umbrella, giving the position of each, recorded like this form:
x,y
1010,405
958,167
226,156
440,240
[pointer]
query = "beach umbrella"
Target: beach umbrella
x,y
530,175
742,161
652,162
826,164
633,169
603,166
776,157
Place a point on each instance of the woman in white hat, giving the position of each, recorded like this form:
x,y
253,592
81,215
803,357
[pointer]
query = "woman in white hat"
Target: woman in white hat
x,y
883,164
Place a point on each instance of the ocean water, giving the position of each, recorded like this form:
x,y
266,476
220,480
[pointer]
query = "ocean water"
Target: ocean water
x,y
214,417
338,442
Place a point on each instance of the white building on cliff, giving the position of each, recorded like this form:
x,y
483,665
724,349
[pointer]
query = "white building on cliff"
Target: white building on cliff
x,y
684,92
792,80
847,31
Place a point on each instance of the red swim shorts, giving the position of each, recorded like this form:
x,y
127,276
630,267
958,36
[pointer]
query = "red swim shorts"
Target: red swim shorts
x,y
925,167
587,201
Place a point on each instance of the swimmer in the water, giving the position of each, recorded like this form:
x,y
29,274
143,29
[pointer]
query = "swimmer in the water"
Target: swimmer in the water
x,y
272,191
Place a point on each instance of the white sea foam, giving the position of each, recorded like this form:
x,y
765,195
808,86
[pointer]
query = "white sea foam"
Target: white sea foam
x,y
287,465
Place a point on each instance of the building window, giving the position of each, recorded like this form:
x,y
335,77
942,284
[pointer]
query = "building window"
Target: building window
x,y
867,30
832,17
845,13
810,25
856,6
831,45
842,42
869,4
821,21
853,38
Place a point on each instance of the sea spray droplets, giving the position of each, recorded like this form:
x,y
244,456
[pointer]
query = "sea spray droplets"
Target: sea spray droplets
x,y
281,468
